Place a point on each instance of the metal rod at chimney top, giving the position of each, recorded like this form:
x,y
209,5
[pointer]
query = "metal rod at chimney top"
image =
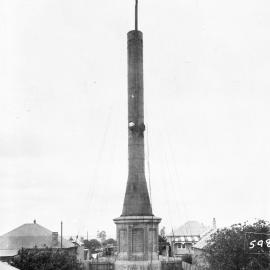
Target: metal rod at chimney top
x,y
136,15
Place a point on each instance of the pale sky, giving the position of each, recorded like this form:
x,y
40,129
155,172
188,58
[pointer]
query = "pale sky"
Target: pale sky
x,y
63,111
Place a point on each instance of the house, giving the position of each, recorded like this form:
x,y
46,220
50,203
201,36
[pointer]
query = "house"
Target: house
x,y
31,235
186,236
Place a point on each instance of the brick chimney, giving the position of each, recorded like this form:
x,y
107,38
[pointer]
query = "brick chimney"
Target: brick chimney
x,y
214,223
54,239
137,227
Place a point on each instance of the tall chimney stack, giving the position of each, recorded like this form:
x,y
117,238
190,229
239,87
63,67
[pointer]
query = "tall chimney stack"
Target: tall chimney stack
x,y
137,227
136,202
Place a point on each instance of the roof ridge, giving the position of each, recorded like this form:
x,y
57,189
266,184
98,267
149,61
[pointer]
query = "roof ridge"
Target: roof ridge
x,y
26,225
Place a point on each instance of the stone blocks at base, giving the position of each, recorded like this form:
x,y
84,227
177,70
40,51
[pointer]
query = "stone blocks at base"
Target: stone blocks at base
x,y
137,265
137,238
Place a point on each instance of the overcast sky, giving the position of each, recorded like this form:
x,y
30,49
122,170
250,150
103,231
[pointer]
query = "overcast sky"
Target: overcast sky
x,y
63,111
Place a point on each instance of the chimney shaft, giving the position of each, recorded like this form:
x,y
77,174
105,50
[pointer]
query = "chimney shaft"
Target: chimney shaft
x,y
137,201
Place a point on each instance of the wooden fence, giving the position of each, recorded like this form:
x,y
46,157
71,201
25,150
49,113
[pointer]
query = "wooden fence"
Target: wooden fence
x,y
171,265
187,266
99,266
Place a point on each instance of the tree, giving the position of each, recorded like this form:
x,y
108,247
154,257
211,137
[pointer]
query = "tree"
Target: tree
x,y
45,259
101,235
162,232
109,241
92,245
109,247
225,249
162,243
187,258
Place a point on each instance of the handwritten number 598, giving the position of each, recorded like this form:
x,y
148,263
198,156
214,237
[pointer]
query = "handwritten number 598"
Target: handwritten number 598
x,y
252,244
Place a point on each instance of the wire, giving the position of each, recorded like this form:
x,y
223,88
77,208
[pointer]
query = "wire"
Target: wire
x,y
150,194
88,200
148,166
187,228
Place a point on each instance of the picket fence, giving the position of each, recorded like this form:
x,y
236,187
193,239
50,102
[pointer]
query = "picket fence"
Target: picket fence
x,y
187,266
99,266
171,265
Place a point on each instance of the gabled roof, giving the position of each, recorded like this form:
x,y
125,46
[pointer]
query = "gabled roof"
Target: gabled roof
x,y
30,235
190,228
203,241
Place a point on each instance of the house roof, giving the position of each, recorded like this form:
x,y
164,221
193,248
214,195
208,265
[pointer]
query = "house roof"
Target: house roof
x,y
186,239
30,235
203,241
5,266
190,228
8,252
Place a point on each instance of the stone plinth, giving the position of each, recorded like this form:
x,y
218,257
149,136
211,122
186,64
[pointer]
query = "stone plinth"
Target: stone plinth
x,y
137,239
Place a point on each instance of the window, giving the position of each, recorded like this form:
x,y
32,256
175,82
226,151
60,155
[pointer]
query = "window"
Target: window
x,y
181,245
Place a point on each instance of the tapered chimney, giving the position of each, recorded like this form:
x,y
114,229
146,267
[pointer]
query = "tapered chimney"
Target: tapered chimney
x,y
136,202
137,227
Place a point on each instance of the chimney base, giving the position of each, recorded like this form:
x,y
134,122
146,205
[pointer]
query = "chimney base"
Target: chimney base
x,y
137,238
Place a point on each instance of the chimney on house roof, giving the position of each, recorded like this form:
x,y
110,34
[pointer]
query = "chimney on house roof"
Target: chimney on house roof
x,y
54,239
214,223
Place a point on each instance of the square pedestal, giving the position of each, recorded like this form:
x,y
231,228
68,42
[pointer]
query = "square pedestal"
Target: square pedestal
x,y
137,238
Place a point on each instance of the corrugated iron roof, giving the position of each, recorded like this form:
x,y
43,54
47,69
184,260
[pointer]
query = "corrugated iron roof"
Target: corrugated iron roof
x,y
203,241
30,235
190,228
